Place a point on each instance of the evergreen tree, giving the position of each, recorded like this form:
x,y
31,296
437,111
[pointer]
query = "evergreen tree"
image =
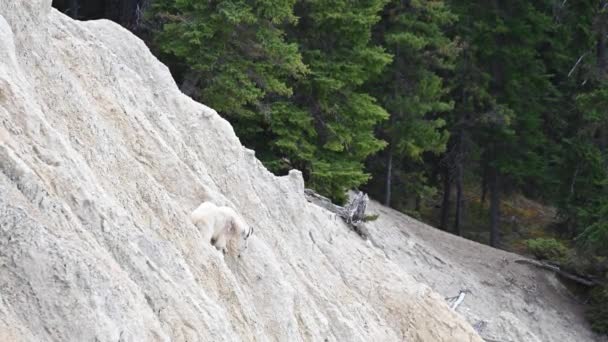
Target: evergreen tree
x,y
298,100
470,91
578,126
335,40
585,174
412,89
508,37
233,56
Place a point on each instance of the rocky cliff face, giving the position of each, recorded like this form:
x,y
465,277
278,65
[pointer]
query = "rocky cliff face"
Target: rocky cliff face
x,y
101,161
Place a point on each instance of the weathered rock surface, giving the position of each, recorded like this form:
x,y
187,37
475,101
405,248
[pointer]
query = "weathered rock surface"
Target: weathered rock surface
x,y
101,161
504,300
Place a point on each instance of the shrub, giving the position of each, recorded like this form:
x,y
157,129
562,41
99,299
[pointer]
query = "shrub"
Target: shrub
x,y
598,309
547,249
413,214
370,218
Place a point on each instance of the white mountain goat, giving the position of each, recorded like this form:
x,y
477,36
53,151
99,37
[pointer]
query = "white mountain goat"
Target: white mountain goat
x,y
221,225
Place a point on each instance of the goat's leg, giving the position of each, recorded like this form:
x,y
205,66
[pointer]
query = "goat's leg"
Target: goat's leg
x,y
220,244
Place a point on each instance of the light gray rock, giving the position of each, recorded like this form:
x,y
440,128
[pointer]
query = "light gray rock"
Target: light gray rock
x,y
506,301
101,161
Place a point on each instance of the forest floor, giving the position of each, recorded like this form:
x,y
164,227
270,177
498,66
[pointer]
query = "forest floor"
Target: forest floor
x,y
521,219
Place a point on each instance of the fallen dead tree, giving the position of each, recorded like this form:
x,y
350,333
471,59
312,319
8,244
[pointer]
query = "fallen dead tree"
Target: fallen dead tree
x,y
458,301
585,280
353,213
455,301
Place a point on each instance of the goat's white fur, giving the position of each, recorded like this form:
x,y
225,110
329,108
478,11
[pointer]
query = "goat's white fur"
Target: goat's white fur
x,y
220,224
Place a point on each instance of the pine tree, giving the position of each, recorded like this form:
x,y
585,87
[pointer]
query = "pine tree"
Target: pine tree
x,y
297,99
508,37
580,131
413,91
335,40
233,56
470,92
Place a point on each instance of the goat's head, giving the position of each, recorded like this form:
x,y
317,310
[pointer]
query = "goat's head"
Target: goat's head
x,y
245,243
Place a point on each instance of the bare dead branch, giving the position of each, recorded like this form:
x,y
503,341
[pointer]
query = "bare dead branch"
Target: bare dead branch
x,y
353,214
585,280
577,63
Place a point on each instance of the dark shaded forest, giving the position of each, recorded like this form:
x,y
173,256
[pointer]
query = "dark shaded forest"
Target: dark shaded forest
x,y
488,119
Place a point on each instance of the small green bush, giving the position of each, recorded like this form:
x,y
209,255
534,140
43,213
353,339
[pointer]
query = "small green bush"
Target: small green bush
x,y
413,214
369,218
547,249
598,309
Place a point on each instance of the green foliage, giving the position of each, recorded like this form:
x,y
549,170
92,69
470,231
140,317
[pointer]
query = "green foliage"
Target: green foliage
x,y
290,83
594,238
412,89
239,51
503,42
598,309
547,249
335,40
370,218
583,188
237,47
413,213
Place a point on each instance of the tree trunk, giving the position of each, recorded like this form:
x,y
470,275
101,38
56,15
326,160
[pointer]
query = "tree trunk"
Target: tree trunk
x,y
445,204
436,170
459,200
129,13
121,11
459,160
602,63
389,164
602,41
494,205
389,177
189,83
73,11
484,189
112,10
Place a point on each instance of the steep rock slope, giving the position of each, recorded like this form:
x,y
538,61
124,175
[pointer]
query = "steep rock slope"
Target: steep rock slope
x,y
101,161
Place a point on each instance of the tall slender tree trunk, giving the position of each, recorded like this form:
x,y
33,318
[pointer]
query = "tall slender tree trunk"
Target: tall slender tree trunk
x,y
190,82
497,86
74,9
484,187
459,180
389,177
602,61
459,199
602,41
445,203
435,171
391,151
494,205
129,13
121,11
